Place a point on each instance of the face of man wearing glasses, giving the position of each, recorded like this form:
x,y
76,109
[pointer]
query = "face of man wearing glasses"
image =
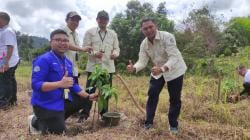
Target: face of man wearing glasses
x,y
59,43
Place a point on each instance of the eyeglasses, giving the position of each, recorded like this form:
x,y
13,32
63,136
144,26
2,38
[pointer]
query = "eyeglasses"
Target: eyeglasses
x,y
61,40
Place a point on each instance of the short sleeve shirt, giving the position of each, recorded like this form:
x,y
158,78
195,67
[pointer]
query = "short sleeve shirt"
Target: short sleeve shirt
x,y
8,39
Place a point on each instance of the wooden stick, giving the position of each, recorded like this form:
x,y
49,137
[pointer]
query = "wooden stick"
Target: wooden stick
x,y
131,95
219,87
94,116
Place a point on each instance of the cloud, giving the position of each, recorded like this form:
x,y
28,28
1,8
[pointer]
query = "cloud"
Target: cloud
x,y
220,4
40,17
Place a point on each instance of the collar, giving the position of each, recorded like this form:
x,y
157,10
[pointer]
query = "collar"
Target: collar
x,y
57,55
157,37
99,30
69,30
4,27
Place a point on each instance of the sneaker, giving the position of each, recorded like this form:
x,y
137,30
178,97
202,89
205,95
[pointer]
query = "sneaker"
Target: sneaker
x,y
32,130
173,130
147,125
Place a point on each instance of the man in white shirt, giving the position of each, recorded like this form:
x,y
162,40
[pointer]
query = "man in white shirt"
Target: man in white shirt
x,y
245,73
9,60
105,45
169,66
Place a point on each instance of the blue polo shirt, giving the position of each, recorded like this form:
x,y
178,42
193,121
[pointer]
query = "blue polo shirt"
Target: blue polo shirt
x,y
50,67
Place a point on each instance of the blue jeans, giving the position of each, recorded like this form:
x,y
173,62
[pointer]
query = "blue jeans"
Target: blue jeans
x,y
174,89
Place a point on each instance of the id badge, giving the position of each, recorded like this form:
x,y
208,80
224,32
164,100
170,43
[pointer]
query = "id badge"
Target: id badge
x,y
66,93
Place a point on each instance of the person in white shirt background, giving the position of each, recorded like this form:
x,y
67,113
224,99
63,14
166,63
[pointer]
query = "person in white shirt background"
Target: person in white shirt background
x,y
245,73
9,62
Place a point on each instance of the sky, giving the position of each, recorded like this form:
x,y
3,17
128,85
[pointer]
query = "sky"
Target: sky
x,y
40,17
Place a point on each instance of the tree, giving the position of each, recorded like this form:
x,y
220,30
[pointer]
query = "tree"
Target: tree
x,y
161,9
202,23
200,41
26,48
24,42
240,29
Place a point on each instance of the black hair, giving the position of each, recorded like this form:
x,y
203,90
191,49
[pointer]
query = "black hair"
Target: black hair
x,y
240,67
5,16
145,19
57,31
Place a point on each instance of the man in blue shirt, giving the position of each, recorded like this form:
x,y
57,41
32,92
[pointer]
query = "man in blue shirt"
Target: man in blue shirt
x,y
52,75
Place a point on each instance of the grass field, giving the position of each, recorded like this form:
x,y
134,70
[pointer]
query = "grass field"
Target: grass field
x,y
202,117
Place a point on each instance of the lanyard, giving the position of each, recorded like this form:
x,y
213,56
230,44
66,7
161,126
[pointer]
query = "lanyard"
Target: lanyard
x,y
74,38
102,48
102,38
61,62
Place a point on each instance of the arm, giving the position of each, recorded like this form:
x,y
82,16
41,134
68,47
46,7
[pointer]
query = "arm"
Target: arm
x,y
143,59
9,39
116,50
65,82
173,53
8,56
84,94
40,71
87,43
77,48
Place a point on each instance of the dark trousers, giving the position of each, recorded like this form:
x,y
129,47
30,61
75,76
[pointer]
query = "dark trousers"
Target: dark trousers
x,y
91,90
8,86
174,89
48,121
246,89
72,107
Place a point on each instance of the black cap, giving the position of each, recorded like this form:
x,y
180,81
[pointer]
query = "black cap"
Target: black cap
x,y
73,14
103,14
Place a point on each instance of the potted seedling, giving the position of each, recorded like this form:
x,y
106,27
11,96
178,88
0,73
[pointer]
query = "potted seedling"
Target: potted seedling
x,y
100,80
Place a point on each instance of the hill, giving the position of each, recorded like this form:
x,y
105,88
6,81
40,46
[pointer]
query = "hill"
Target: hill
x,y
38,42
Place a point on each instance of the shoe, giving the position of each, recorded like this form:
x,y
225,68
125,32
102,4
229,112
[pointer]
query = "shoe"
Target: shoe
x,y
147,125
32,130
173,130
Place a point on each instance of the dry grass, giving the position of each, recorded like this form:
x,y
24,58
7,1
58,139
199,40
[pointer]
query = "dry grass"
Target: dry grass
x,y
201,117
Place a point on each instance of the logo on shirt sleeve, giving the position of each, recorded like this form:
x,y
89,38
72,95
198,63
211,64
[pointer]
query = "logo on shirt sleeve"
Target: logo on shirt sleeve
x,y
172,41
36,69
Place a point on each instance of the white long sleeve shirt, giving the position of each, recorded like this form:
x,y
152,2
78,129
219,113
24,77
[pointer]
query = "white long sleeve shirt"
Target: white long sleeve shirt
x,y
163,52
106,42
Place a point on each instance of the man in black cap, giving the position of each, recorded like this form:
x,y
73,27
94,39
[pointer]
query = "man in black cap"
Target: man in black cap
x,y
105,45
72,21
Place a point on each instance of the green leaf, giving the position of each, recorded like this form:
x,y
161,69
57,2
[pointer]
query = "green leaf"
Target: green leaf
x,y
100,77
